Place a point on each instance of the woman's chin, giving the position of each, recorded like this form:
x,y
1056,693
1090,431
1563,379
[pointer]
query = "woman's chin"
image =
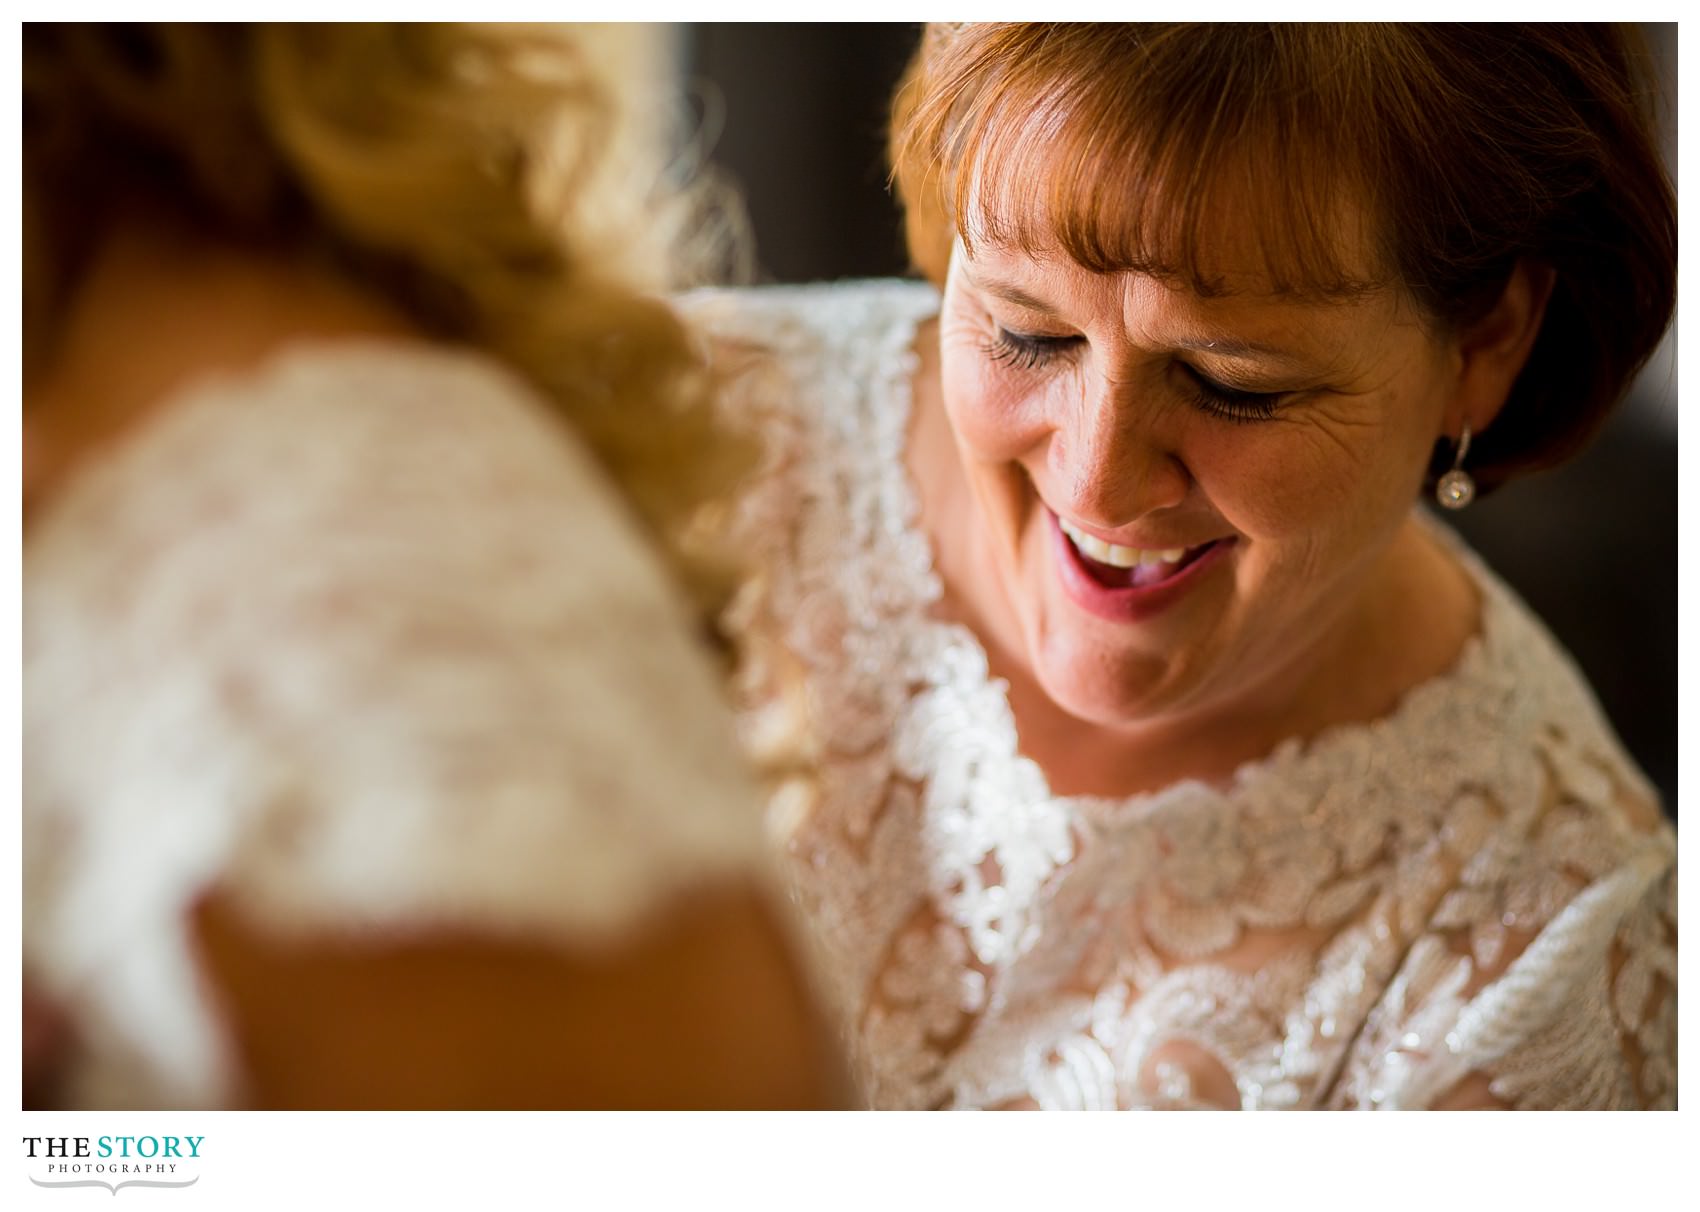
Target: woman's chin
x,y
1117,691
1113,675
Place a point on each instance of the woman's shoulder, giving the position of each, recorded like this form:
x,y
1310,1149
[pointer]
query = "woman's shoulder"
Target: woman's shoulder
x,y
316,413
821,377
816,373
396,445
1541,969
375,585
1522,689
810,351
1516,726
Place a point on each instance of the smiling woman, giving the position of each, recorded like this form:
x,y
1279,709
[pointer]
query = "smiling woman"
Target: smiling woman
x,y
1153,750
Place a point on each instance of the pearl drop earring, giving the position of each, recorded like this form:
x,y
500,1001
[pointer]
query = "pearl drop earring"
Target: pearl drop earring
x,y
1456,488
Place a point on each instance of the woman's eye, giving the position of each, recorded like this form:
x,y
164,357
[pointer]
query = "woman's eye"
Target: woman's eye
x,y
1229,403
1025,351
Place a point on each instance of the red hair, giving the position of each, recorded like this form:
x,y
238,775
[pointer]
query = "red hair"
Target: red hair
x,y
1464,149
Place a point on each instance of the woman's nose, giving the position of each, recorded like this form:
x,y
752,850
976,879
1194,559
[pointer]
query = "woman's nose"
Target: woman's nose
x,y
1111,460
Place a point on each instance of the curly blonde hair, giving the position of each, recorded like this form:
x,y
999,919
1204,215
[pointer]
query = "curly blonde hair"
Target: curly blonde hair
x,y
497,182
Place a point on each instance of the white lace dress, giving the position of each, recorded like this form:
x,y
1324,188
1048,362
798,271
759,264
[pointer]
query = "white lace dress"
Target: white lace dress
x,y
1470,896
366,640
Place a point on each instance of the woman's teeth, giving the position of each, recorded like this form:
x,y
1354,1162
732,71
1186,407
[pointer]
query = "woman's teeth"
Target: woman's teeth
x,y
1117,556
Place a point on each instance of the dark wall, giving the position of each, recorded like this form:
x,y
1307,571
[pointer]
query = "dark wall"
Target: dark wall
x,y
1592,546
804,135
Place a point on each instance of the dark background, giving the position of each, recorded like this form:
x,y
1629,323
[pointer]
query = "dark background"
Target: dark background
x,y
1590,546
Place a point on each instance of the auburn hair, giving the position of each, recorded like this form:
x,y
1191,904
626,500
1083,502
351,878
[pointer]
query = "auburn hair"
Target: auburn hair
x,y
1459,149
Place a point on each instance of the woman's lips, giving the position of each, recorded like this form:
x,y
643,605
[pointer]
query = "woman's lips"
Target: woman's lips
x,y
1125,595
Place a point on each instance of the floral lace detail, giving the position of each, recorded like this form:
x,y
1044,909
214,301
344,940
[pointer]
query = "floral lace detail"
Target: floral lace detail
x,y
1461,870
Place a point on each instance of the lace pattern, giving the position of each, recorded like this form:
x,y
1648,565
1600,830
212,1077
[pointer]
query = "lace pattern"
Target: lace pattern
x,y
1365,919
365,638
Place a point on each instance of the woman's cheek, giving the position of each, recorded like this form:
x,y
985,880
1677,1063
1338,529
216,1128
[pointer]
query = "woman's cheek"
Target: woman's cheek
x,y
996,415
1285,479
1263,481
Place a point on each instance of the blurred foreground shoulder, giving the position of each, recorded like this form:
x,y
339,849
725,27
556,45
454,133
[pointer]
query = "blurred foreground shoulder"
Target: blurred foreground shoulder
x,y
379,649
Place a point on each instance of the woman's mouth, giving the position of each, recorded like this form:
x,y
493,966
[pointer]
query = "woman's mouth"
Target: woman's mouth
x,y
1126,583
1117,567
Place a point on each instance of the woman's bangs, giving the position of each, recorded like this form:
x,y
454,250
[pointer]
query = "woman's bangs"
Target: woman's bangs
x,y
1198,201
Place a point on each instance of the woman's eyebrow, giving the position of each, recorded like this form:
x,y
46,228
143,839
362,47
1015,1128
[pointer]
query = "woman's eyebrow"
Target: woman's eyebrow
x,y
1229,347
1008,293
1233,348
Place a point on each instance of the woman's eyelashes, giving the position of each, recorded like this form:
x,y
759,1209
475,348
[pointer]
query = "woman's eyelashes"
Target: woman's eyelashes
x,y
1027,351
1032,351
1229,403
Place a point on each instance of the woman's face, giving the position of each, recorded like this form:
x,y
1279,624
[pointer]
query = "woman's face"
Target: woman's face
x,y
1185,497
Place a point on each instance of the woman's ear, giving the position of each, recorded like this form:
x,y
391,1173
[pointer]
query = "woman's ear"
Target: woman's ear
x,y
1493,349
